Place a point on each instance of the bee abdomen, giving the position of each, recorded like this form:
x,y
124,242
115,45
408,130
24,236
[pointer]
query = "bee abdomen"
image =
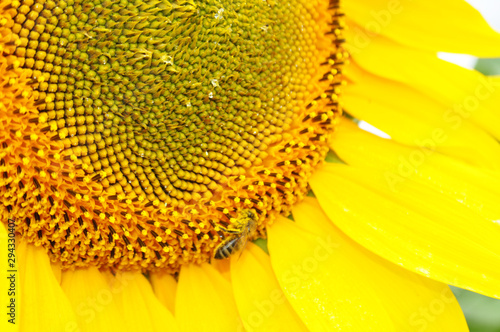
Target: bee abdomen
x,y
227,248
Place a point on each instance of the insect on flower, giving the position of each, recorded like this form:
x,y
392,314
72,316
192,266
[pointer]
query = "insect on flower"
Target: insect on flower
x,y
240,231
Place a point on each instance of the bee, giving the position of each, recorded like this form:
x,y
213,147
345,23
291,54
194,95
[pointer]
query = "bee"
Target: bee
x,y
240,232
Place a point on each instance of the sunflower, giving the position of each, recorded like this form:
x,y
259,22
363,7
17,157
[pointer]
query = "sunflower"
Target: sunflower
x,y
146,144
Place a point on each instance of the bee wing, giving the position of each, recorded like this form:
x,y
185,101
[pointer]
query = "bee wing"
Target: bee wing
x,y
244,240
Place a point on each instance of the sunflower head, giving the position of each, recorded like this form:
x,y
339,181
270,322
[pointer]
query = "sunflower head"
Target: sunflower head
x,y
135,134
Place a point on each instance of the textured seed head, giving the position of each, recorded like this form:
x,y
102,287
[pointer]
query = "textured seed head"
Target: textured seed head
x,y
135,132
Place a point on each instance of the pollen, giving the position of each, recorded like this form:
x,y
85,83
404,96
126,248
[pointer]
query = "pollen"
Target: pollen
x,y
134,133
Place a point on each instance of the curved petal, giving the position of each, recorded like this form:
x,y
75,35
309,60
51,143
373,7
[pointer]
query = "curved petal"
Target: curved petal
x,y
56,269
361,291
223,266
93,301
260,300
418,299
203,293
325,296
44,306
396,107
140,309
414,226
476,188
420,24
165,289
465,95
423,71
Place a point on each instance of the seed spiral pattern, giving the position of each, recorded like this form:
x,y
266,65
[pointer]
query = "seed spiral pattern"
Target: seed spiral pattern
x,y
134,130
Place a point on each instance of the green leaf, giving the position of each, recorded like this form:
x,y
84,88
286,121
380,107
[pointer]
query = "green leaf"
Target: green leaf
x,y
488,66
481,312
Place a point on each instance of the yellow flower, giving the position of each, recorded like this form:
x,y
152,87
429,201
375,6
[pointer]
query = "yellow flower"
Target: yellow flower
x,y
144,141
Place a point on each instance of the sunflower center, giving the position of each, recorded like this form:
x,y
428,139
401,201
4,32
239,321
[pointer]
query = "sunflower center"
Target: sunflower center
x,y
142,131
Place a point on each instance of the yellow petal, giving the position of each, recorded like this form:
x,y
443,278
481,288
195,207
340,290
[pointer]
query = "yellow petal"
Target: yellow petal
x,y
205,301
418,300
466,94
56,269
93,301
44,306
260,300
414,226
140,309
478,189
224,268
325,299
9,282
447,26
467,143
334,284
401,109
165,288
